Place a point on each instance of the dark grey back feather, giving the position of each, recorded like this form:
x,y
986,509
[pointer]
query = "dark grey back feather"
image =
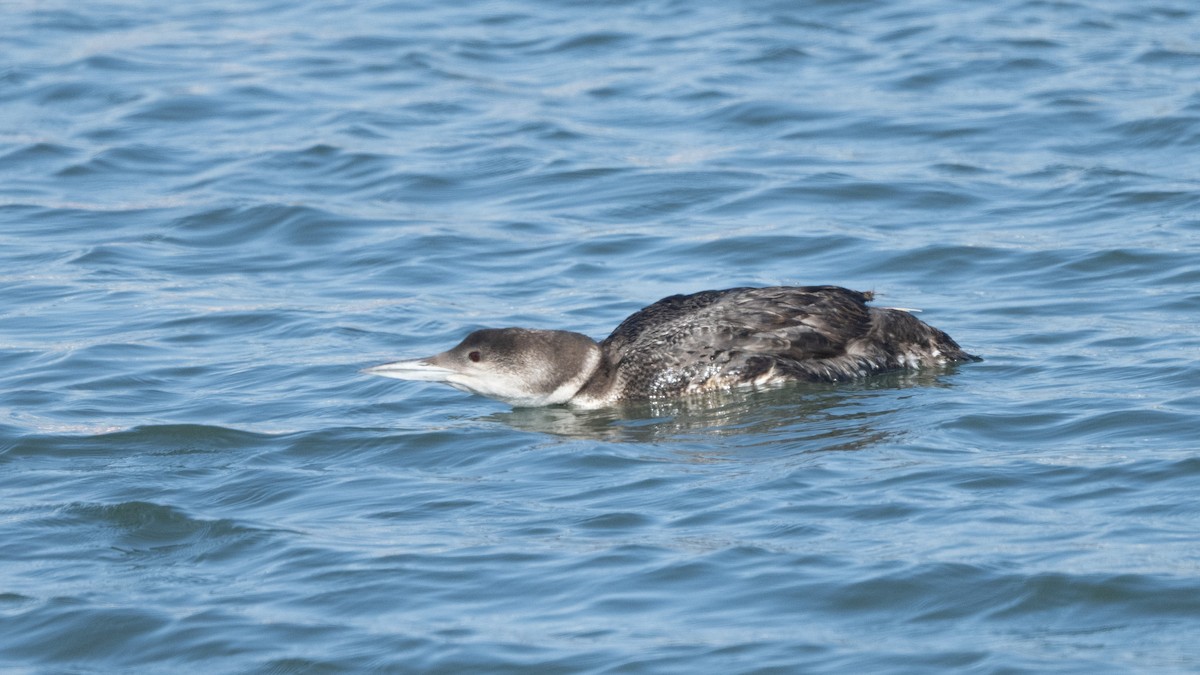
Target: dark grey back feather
x,y
716,339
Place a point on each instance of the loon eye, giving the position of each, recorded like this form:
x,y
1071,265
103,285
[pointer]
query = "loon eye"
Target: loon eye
x,y
475,356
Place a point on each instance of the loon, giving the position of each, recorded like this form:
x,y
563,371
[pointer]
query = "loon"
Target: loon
x,y
686,344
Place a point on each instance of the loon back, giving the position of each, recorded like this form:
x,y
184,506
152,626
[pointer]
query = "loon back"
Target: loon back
x,y
717,339
692,343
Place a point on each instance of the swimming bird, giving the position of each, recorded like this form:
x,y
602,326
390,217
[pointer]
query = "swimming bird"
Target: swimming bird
x,y
685,344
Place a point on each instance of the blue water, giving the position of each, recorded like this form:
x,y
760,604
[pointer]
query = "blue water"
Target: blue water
x,y
213,214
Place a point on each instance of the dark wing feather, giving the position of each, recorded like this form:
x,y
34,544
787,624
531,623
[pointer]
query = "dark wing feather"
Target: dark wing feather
x,y
719,338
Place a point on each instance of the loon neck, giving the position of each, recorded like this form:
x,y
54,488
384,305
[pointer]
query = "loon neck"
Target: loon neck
x,y
571,386
599,388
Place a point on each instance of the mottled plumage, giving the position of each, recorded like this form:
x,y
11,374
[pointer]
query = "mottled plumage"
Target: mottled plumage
x,y
692,343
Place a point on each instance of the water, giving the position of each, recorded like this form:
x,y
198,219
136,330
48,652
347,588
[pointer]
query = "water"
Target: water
x,y
212,214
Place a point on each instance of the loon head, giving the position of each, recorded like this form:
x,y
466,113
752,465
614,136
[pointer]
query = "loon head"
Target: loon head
x,y
520,366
